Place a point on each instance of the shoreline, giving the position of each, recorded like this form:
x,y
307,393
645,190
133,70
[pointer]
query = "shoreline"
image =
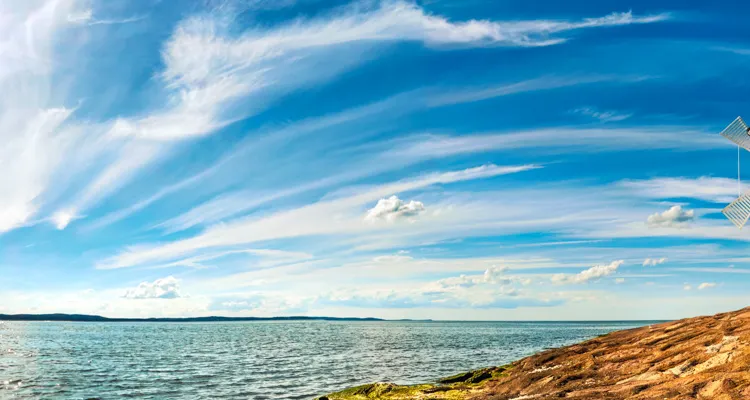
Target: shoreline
x,y
695,358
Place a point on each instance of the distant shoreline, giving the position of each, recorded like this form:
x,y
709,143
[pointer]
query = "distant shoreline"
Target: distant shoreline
x,y
98,318
59,317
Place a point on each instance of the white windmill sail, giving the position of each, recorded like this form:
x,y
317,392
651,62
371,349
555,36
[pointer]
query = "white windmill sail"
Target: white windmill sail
x,y
739,210
737,132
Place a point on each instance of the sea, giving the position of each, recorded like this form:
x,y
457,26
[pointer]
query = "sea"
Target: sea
x,y
259,359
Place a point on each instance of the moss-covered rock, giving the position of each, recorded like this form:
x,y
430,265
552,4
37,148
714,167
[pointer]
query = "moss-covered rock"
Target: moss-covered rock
x,y
475,376
455,387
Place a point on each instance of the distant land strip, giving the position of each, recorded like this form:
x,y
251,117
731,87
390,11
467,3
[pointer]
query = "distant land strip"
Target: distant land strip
x,y
97,318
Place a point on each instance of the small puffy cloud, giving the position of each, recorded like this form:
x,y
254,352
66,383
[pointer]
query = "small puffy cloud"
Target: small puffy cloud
x,y
706,285
675,217
493,273
164,288
394,209
593,273
687,287
620,280
651,262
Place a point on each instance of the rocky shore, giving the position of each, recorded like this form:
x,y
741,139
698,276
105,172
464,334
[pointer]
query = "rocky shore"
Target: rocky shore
x,y
695,358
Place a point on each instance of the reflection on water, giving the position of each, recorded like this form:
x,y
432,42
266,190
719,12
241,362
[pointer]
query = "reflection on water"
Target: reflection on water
x,y
259,360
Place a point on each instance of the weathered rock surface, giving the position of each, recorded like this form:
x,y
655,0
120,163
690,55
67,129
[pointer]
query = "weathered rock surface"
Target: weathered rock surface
x,y
696,358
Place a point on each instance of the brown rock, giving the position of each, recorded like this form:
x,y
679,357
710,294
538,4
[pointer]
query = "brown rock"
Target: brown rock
x,y
696,358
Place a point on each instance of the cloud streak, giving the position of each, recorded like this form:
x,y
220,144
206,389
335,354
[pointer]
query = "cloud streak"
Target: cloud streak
x,y
213,77
603,116
314,219
564,140
718,190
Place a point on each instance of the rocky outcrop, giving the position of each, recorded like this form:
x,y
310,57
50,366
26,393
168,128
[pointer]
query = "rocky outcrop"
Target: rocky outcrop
x,y
696,358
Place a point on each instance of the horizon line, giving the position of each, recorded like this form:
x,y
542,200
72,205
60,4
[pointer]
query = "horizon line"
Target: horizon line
x,y
66,317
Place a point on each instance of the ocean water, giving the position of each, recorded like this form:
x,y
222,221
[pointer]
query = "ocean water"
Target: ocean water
x,y
258,360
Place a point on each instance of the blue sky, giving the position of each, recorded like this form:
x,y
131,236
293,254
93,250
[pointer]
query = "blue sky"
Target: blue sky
x,y
440,159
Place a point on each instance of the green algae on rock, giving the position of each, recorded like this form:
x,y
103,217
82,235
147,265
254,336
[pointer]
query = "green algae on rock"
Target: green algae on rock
x,y
456,387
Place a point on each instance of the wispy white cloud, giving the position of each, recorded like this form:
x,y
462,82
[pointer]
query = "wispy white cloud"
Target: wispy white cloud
x,y
473,94
713,270
214,210
603,116
569,140
116,21
396,269
388,21
416,148
719,190
736,50
85,16
80,16
326,217
37,139
268,257
28,158
123,213
209,71
210,67
706,285
675,217
229,67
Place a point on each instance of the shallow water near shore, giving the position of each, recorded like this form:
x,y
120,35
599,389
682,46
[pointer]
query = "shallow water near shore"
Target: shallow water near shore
x,y
259,360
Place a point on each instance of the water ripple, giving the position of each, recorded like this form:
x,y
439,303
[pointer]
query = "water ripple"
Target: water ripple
x,y
256,360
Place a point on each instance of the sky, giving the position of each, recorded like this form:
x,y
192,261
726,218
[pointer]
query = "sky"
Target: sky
x,y
443,159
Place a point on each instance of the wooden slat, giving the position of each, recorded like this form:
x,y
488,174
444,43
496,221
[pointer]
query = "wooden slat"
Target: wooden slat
x,y
737,133
739,210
